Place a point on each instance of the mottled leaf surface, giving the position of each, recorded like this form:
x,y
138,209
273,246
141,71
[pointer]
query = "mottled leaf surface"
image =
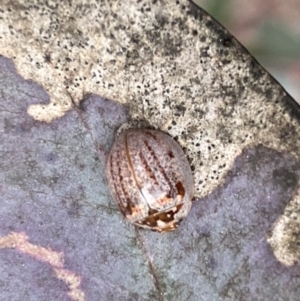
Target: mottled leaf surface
x,y
61,235
53,188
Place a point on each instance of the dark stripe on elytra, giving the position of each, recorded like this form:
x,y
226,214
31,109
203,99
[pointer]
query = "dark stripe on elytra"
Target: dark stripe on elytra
x,y
147,167
180,189
170,154
152,152
115,175
151,135
128,157
118,182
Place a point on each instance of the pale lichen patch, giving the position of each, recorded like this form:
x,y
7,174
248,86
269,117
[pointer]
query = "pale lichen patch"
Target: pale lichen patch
x,y
285,236
48,112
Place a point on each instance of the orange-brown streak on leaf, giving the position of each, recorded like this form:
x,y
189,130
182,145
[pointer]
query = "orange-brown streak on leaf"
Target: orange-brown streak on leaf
x,y
19,241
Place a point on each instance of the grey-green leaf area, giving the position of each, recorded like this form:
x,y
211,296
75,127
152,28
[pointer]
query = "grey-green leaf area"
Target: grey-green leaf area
x,y
53,188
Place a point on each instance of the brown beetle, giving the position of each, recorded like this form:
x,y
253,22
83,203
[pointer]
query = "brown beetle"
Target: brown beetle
x,y
150,179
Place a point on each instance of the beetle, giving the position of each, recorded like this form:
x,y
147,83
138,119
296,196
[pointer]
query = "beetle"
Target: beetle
x,y
150,179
